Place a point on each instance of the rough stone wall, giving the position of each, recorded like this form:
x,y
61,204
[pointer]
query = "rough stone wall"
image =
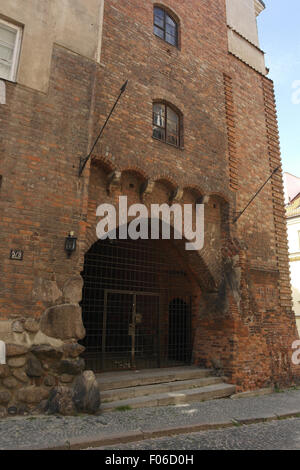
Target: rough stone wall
x,y
32,371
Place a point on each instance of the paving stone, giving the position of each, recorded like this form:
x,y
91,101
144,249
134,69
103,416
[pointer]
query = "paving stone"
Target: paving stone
x,y
277,435
48,430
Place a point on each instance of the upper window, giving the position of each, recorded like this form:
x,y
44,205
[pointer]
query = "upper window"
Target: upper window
x,y
165,26
10,39
166,124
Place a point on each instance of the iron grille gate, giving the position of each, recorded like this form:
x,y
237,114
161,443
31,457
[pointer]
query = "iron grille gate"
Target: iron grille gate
x,y
130,333
136,306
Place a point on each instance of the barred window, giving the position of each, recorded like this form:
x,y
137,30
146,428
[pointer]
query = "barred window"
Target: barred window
x,y
166,124
165,26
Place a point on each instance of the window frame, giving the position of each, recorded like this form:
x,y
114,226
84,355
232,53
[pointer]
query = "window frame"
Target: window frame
x,y
16,52
164,29
180,124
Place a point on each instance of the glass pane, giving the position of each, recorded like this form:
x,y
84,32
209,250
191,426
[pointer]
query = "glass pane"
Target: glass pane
x,y
172,127
171,39
7,45
172,139
172,116
6,53
7,35
159,12
159,32
159,115
158,21
4,71
159,133
169,21
171,30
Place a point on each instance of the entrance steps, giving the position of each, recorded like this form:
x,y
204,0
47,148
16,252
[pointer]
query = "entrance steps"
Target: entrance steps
x,y
160,387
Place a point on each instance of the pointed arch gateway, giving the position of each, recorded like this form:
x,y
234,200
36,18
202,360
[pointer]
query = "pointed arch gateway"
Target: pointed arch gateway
x,y
138,301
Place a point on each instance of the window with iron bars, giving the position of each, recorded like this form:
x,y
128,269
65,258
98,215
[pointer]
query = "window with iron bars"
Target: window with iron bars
x,y
167,124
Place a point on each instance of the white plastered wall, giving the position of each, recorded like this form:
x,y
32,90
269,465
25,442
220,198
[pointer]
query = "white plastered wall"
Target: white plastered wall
x,y
242,32
74,24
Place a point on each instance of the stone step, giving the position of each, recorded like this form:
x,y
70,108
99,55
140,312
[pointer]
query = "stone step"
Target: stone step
x,y
117,380
209,392
145,390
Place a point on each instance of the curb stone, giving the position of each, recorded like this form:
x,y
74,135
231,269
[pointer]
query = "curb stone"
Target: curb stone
x,y
253,393
261,419
90,442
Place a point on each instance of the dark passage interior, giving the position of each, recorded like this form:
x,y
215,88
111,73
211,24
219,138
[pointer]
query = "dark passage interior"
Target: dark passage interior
x,y
179,331
136,306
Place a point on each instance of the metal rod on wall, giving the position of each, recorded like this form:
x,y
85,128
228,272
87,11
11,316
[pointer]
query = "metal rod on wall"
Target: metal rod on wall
x,y
83,161
250,202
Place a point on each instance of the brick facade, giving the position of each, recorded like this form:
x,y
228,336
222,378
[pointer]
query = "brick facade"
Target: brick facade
x,y
242,314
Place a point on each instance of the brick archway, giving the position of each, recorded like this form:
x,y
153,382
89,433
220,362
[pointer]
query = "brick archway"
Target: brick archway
x,y
135,281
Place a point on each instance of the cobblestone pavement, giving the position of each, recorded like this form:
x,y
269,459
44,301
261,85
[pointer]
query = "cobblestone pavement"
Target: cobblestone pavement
x,y
276,435
35,431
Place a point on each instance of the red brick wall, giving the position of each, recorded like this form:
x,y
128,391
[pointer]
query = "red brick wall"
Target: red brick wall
x,y
42,138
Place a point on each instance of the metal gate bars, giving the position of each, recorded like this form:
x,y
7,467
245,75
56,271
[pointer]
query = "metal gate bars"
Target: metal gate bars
x,y
136,306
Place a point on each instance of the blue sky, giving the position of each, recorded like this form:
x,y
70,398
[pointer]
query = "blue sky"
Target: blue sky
x,y
279,33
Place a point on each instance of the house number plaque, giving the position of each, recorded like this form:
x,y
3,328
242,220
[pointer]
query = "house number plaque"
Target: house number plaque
x,y
16,255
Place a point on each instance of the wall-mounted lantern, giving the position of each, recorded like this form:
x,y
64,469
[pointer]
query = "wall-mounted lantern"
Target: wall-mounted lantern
x,y
70,243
